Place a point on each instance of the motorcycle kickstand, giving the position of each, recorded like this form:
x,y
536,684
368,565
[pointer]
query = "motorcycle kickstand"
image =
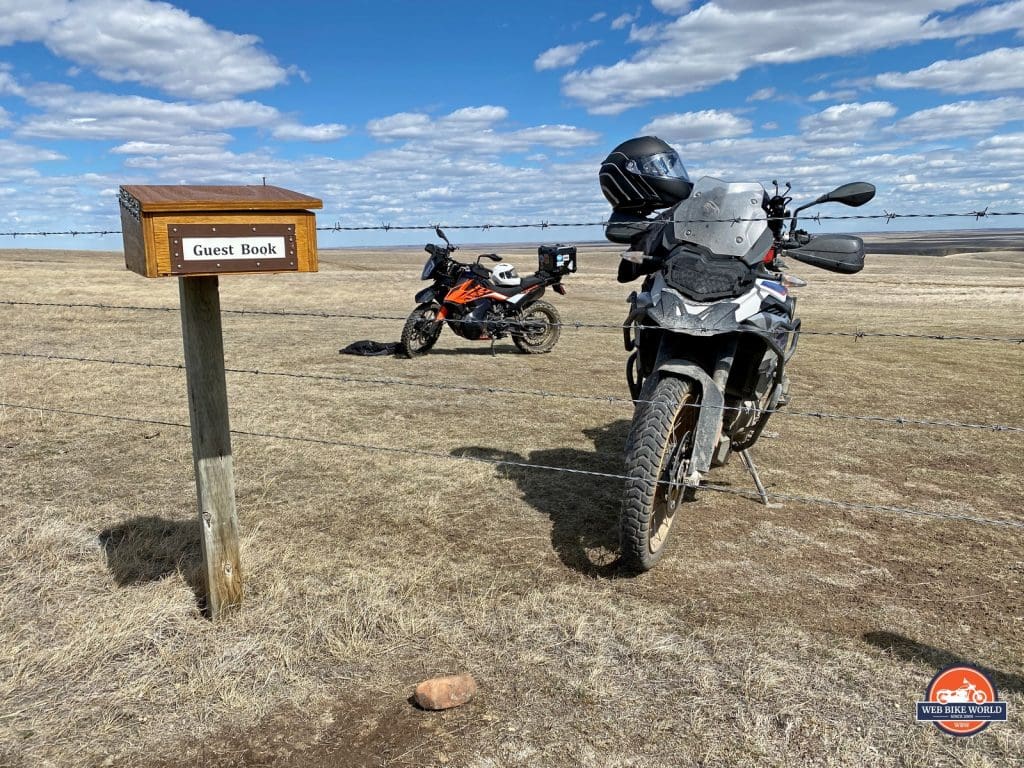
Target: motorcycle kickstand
x,y
748,462
493,353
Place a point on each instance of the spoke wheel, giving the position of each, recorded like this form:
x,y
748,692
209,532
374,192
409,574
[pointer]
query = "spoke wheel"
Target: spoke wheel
x,y
543,327
421,330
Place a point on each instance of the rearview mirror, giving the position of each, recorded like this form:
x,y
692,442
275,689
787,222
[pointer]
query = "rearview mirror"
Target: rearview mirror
x,y
493,257
854,194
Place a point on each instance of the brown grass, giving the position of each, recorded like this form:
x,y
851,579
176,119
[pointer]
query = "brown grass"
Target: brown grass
x,y
798,635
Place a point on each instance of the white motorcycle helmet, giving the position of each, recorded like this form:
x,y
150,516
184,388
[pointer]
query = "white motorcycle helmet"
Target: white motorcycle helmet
x,y
505,275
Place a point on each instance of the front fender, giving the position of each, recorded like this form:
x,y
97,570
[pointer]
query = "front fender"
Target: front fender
x,y
426,296
709,420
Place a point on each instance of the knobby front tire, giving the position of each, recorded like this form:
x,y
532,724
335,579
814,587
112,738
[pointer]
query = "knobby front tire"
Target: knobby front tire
x,y
659,445
421,330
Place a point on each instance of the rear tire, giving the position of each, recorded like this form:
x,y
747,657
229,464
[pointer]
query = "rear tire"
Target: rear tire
x,y
538,342
658,447
421,330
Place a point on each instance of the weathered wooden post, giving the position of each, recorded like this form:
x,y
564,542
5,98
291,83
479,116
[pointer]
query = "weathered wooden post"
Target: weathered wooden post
x,y
198,233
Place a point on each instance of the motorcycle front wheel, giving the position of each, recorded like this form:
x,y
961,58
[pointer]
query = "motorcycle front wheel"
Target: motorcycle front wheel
x,y
421,330
544,328
657,450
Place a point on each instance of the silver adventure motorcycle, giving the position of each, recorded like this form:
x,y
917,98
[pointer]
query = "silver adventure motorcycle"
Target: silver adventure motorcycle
x,y
709,336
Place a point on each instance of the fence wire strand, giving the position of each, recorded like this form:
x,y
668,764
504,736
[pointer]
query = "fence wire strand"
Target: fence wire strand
x,y
749,493
576,325
385,226
492,390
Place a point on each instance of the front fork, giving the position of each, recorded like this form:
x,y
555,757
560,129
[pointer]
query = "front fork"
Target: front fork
x,y
707,433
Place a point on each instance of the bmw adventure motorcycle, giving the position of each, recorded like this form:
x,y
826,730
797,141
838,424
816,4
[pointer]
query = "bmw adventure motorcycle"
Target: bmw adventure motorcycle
x,y
484,304
709,336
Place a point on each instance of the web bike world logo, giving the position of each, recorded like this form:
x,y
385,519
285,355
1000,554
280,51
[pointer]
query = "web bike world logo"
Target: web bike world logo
x,y
961,701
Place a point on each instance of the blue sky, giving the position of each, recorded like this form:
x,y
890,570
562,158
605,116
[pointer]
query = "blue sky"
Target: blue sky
x,y
416,113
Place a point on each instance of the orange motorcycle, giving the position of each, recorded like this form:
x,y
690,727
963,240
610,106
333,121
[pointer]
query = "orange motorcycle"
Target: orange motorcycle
x,y
486,304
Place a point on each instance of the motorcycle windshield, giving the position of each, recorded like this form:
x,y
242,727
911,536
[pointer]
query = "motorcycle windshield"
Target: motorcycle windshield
x,y
724,217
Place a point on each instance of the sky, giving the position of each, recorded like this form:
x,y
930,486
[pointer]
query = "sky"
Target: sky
x,y
419,113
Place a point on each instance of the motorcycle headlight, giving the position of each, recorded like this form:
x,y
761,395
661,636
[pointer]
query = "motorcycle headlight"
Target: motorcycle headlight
x,y
428,269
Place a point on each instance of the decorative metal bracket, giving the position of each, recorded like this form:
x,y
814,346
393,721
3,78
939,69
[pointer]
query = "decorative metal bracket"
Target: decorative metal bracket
x,y
130,204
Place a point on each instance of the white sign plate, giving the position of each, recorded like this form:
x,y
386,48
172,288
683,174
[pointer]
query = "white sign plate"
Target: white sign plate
x,y
226,248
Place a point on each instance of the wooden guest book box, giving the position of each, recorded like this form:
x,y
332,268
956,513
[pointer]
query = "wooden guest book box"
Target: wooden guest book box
x,y
215,230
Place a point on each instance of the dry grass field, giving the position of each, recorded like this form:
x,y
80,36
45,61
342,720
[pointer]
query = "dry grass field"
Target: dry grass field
x,y
799,634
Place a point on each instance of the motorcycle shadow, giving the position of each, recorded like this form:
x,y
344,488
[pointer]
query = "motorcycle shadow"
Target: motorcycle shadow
x,y
583,508
940,658
481,348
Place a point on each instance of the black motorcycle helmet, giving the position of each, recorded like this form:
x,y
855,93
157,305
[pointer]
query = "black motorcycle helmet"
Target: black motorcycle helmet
x,y
642,175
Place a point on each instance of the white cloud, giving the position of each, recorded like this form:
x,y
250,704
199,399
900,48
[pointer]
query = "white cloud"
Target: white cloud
x,y
1003,142
476,116
557,136
998,70
318,132
763,94
8,84
476,130
623,21
842,95
597,16
24,22
5,118
638,34
12,153
70,114
199,143
672,7
691,126
962,118
83,115
845,122
152,43
687,54
403,125
561,56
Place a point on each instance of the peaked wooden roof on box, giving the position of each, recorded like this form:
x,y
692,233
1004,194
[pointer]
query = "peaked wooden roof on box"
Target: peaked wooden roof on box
x,y
155,198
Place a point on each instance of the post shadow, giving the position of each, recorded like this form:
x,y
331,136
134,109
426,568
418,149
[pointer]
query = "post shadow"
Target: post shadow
x,y
150,548
940,658
584,509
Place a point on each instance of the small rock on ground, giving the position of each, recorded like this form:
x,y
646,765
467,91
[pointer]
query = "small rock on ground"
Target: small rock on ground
x,y
445,692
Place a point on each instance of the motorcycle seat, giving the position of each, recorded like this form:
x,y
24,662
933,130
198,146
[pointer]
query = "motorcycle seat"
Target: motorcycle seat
x,y
512,290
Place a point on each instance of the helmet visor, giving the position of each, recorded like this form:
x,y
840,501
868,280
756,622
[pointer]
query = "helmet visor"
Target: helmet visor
x,y
663,165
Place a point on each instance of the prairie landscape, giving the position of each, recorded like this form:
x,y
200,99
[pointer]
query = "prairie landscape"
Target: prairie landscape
x,y
801,633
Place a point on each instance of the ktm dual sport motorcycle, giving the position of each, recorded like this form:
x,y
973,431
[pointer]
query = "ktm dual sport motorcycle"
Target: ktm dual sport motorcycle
x,y
484,304
709,335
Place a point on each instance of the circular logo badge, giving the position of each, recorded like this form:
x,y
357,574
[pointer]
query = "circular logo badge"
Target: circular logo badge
x,y
961,701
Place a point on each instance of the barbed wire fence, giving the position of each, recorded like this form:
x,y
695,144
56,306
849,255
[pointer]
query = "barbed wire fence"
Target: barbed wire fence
x,y
493,390
574,325
384,226
421,453
856,334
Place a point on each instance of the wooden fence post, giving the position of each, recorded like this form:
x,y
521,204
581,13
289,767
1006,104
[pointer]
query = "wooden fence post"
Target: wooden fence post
x,y
211,442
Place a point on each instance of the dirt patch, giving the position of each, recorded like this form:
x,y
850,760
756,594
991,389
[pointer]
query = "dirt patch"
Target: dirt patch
x,y
363,733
